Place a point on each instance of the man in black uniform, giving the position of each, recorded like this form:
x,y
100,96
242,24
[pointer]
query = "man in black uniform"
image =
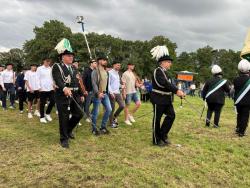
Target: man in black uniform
x,y
67,89
242,97
161,96
214,94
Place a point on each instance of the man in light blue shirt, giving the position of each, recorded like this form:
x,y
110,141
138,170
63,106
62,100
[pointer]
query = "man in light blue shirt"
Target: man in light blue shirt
x,y
115,95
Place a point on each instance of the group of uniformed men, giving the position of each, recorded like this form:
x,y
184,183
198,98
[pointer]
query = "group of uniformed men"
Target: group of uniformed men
x,y
63,85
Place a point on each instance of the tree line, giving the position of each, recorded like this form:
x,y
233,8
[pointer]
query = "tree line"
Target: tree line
x,y
138,52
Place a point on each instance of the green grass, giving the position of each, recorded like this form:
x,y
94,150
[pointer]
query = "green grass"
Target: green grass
x,y
30,154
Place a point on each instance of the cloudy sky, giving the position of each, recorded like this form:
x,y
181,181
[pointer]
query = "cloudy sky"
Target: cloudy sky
x,y
190,23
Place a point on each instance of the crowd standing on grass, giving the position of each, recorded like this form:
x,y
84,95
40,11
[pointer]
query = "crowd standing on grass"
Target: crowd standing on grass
x,y
75,95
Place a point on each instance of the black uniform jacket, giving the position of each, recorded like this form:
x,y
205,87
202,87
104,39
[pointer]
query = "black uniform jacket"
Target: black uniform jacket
x,y
239,83
217,97
60,84
162,82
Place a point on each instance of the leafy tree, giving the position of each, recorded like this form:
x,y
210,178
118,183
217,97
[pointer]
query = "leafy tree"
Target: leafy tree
x,y
46,38
15,56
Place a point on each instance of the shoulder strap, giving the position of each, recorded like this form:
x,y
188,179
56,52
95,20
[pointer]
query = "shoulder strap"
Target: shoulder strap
x,y
215,87
242,92
157,83
66,79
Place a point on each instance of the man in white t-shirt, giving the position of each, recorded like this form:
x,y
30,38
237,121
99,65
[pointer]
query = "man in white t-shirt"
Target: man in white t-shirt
x,y
131,83
192,89
33,86
46,90
8,77
115,95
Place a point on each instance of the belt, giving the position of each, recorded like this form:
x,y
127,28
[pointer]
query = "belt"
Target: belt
x,y
161,92
74,88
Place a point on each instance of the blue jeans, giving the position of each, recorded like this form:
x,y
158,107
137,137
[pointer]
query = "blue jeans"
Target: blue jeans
x,y
96,103
10,88
88,101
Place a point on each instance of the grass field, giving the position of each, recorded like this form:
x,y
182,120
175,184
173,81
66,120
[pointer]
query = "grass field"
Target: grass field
x,y
198,157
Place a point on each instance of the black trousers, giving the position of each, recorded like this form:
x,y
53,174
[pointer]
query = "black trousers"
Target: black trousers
x,y
242,118
66,124
216,108
44,97
160,132
21,98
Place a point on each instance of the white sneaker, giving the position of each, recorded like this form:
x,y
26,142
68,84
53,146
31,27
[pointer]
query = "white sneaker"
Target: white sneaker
x,y
43,120
127,122
30,115
11,107
79,124
21,112
56,112
48,117
131,118
37,113
88,120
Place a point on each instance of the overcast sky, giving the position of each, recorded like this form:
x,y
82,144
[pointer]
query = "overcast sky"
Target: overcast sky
x,y
190,23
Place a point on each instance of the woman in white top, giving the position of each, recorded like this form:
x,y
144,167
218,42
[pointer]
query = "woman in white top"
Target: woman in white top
x,y
33,86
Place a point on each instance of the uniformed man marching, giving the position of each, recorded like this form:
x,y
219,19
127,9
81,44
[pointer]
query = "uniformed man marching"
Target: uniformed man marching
x,y
67,89
242,97
214,95
161,96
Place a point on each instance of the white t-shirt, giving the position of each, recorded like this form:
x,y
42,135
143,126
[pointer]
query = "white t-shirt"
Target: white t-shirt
x,y
8,76
193,87
33,80
45,77
1,80
129,78
114,82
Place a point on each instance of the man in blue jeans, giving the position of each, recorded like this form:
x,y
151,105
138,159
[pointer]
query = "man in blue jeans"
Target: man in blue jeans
x,y
99,78
86,78
8,76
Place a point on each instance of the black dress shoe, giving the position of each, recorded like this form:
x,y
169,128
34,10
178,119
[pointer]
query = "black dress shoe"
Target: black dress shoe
x,y
166,141
242,134
71,136
216,126
161,144
104,131
65,144
95,132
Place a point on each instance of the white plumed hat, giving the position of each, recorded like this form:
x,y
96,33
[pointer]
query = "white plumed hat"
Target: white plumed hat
x,y
216,69
160,53
244,66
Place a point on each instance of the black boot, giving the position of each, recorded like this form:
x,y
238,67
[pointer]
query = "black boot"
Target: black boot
x,y
65,143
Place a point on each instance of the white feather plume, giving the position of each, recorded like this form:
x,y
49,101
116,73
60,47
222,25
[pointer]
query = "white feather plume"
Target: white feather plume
x,y
63,45
159,51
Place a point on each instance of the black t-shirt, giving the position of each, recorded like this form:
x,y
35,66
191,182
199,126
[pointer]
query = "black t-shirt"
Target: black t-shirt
x,y
86,78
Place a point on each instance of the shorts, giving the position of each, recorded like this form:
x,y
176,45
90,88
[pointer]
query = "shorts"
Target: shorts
x,y
133,97
32,96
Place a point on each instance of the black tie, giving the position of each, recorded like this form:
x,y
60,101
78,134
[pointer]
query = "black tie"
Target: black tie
x,y
70,71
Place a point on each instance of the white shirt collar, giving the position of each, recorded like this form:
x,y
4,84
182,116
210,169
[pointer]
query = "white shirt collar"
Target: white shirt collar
x,y
163,68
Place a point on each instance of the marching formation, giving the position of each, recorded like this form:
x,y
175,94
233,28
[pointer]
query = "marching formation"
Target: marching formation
x,y
62,86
